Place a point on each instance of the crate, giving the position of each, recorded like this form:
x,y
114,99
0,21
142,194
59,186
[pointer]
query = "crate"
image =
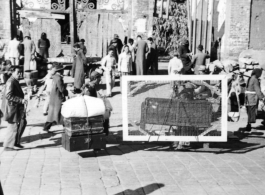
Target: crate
x,y
173,112
84,126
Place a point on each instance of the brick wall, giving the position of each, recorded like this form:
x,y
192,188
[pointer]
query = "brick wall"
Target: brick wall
x,y
5,22
257,30
237,27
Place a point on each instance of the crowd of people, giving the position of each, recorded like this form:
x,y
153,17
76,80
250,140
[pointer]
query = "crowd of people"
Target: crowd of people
x,y
133,57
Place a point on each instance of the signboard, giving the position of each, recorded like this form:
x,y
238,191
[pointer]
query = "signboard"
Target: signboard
x,y
38,14
37,4
110,4
141,25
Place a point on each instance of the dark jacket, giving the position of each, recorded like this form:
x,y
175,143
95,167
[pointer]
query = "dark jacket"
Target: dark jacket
x,y
56,99
186,61
12,106
253,86
83,48
91,89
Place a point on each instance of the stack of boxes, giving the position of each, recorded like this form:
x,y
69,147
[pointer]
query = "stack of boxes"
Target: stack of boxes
x,y
247,65
84,133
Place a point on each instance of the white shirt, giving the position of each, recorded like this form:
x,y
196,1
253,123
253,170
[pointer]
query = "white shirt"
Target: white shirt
x,y
175,64
13,49
108,63
125,62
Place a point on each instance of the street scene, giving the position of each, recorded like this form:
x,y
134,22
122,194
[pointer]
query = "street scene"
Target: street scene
x,y
82,112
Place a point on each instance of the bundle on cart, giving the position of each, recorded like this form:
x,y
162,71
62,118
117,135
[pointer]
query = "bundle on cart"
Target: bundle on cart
x,y
84,123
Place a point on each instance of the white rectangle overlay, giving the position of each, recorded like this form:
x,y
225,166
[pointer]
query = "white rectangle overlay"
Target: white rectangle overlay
x,y
168,78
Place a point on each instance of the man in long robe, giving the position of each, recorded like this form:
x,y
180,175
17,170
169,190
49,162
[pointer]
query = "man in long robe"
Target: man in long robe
x,y
78,69
58,93
29,51
142,49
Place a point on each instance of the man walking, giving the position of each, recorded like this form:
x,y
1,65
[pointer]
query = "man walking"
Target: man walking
x,y
184,55
13,51
199,61
142,49
13,107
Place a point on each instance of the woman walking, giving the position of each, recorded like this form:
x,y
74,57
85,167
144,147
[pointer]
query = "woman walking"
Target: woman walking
x,y
44,45
58,93
253,94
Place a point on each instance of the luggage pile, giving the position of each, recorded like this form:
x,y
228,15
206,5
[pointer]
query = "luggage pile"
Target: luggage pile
x,y
247,65
84,123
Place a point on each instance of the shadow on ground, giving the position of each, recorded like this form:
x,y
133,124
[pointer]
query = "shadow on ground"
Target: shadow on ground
x,y
148,189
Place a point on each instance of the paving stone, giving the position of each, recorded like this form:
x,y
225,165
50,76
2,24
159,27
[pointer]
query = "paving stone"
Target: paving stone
x,y
108,173
71,191
30,192
94,190
91,182
50,192
170,190
117,190
110,181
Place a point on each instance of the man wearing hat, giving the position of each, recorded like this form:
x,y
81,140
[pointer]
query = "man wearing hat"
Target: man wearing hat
x,y
118,42
92,87
199,61
114,47
29,51
13,107
58,93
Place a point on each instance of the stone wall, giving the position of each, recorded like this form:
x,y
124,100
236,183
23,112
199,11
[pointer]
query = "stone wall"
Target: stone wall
x,y
237,27
142,9
5,22
257,30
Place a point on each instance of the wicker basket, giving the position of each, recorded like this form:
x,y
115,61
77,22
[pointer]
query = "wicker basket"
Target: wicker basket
x,y
158,111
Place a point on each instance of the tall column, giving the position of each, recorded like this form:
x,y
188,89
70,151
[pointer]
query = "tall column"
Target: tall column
x,y
237,28
73,30
5,22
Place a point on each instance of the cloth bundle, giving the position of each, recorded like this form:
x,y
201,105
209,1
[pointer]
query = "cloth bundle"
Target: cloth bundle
x,y
83,106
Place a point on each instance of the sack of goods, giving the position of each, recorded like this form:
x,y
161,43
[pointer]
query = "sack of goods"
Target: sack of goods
x,y
83,106
85,115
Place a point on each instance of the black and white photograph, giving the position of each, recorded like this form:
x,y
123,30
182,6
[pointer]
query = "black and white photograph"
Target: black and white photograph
x,y
132,97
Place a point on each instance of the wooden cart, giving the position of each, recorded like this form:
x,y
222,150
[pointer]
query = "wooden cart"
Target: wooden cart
x,y
172,112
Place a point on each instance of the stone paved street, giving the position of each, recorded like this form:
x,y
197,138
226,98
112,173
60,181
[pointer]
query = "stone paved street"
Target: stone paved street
x,y
45,168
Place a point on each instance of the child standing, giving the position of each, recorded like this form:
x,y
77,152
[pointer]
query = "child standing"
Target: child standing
x,y
125,63
108,64
175,65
